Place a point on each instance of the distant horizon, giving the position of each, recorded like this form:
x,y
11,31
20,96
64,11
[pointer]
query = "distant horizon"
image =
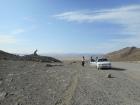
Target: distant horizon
x,y
60,54
63,53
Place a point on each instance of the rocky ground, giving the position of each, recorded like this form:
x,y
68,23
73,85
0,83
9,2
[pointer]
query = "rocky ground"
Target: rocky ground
x,y
36,83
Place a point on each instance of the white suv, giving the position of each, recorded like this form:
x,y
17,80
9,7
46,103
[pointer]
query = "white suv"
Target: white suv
x,y
103,63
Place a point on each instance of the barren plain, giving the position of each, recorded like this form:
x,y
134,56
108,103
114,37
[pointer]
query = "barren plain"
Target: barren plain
x,y
68,83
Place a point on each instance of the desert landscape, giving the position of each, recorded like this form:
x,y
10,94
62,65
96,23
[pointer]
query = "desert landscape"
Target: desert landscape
x,y
69,52
41,82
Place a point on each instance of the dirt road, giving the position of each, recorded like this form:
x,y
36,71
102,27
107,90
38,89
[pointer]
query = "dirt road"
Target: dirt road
x,y
32,83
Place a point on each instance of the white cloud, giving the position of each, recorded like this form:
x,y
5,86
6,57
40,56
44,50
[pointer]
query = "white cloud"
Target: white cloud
x,y
127,16
11,37
121,15
7,39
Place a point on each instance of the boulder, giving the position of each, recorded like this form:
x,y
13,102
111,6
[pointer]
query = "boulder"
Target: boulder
x,y
109,76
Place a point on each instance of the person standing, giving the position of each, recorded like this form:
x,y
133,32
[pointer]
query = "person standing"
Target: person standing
x,y
83,61
96,58
91,59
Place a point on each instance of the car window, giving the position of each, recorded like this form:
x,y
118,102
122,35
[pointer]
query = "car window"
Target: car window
x,y
99,60
102,60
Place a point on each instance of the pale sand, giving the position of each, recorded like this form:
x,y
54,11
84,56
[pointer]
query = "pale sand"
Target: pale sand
x,y
33,83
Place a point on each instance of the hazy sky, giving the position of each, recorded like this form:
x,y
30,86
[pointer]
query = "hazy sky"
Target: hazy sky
x,y
69,26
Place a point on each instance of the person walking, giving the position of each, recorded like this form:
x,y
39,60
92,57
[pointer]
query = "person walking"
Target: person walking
x,y
83,61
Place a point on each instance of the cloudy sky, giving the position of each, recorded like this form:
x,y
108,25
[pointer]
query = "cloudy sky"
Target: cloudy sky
x,y
69,26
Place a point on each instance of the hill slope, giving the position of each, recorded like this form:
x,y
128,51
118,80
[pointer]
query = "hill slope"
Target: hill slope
x,y
8,56
125,54
32,57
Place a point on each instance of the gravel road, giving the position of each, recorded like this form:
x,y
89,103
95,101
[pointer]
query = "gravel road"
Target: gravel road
x,y
35,83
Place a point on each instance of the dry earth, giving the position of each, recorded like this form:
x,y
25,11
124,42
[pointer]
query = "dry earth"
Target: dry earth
x,y
35,83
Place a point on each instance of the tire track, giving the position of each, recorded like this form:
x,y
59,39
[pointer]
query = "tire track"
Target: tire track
x,y
68,94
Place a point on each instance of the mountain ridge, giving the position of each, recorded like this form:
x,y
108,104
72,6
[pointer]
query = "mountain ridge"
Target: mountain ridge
x,y
125,54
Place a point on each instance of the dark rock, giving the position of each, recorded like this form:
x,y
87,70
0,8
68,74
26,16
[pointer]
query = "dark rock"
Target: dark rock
x,y
73,62
1,79
3,95
109,76
48,65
